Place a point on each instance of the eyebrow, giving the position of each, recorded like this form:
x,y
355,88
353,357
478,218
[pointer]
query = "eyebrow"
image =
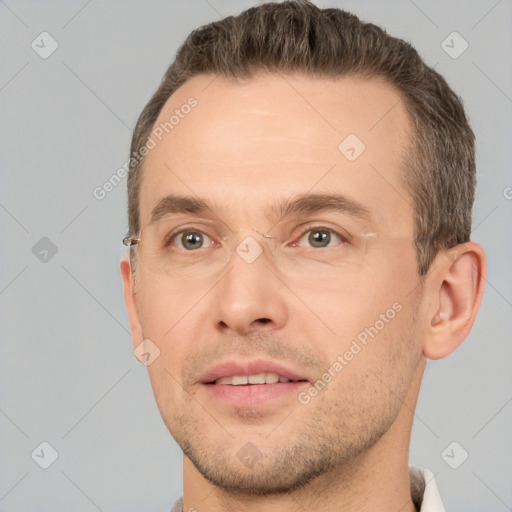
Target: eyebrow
x,y
302,203
315,203
177,205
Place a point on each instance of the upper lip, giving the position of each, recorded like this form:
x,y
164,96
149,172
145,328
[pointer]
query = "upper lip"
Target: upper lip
x,y
252,367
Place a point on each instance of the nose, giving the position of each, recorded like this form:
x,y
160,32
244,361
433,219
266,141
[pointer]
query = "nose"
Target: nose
x,y
250,297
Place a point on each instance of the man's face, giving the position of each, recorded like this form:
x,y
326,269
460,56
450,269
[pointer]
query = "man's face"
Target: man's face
x,y
308,301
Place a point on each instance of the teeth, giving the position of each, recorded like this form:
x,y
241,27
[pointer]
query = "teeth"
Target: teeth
x,y
224,380
258,378
271,378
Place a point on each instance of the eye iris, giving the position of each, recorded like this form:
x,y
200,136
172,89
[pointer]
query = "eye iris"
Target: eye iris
x,y
319,238
192,240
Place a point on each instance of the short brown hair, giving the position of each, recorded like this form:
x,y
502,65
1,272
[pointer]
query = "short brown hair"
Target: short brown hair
x,y
298,37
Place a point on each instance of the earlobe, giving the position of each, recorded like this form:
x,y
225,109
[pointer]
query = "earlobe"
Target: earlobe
x,y
456,288
130,301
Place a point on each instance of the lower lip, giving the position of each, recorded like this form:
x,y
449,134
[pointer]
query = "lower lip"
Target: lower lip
x,y
253,394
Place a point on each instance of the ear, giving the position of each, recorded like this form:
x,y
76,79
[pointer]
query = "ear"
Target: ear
x,y
130,300
456,287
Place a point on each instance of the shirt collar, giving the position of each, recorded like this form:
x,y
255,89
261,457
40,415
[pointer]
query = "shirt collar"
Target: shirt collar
x,y
424,491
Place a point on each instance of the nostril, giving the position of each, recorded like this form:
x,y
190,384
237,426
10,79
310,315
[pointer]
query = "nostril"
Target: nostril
x,y
263,320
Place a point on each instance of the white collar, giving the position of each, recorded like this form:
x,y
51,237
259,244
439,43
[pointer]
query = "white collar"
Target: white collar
x,y
423,486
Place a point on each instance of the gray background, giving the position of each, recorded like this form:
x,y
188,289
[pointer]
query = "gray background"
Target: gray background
x,y
68,375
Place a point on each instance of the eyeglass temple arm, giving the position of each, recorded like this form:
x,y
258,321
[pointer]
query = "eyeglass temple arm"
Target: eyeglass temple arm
x,y
130,240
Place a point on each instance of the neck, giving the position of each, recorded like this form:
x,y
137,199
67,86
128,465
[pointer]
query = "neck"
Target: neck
x,y
377,479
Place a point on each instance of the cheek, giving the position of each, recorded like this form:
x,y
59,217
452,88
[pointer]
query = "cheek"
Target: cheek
x,y
173,317
160,311
165,309
373,308
156,308
377,360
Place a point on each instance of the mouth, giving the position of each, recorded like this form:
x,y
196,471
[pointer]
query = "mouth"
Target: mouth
x,y
253,383
255,379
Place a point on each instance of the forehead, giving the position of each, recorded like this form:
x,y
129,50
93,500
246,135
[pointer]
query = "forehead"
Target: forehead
x,y
245,144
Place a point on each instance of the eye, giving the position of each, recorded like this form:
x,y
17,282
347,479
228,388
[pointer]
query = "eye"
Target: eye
x,y
320,238
190,240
